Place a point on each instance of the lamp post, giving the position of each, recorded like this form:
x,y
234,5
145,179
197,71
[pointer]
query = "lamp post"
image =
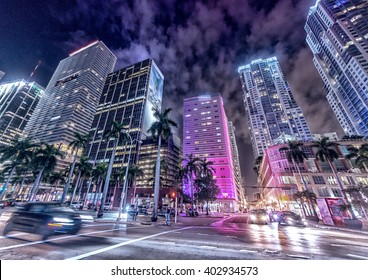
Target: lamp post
x,y
122,198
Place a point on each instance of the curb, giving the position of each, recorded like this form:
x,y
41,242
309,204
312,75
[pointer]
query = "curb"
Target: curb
x,y
339,229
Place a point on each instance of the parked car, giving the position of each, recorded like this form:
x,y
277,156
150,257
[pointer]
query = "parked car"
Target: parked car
x,y
289,218
142,209
130,209
259,216
3,204
108,206
192,213
76,204
44,218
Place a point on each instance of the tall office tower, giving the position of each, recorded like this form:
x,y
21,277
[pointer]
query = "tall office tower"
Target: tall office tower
x,y
206,135
128,97
170,163
236,164
18,100
269,104
2,74
337,34
71,97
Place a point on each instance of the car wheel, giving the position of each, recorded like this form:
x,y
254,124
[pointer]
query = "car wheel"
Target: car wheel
x,y
43,231
7,229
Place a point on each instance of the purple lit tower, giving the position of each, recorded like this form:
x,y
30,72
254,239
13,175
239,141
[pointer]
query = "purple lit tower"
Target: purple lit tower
x,y
206,135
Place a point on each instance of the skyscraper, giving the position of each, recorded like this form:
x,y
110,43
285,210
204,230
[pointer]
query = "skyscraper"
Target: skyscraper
x,y
337,34
72,95
17,103
128,97
270,107
206,135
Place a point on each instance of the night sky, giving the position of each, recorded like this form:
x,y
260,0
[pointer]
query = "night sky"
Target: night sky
x,y
198,45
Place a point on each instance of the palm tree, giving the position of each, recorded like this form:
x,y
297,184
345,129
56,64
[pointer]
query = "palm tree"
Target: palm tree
x,y
19,153
205,184
80,142
192,169
296,156
161,128
360,154
84,169
56,178
325,152
98,173
134,172
257,164
118,135
45,159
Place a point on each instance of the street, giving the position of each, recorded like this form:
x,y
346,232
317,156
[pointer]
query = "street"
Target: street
x,y
228,237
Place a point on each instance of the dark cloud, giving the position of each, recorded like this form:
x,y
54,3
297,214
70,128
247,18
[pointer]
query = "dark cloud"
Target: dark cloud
x,y
199,45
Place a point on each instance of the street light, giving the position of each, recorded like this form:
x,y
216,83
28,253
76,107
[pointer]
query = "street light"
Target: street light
x,y
122,198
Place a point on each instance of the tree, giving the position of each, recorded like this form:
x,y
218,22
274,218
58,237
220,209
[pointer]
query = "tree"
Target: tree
x,y
360,154
295,156
118,135
19,152
56,178
192,168
84,169
80,142
98,173
358,195
206,189
161,128
44,160
325,152
134,172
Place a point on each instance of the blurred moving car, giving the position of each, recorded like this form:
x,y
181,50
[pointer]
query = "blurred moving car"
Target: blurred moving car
x,y
289,218
44,218
259,216
274,216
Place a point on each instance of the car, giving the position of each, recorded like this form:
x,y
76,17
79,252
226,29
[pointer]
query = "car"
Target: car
x,y
274,216
44,218
259,216
289,218
108,206
142,209
76,205
3,204
131,210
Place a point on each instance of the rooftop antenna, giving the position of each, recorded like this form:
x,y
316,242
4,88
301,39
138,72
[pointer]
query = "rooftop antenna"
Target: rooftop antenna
x,y
34,70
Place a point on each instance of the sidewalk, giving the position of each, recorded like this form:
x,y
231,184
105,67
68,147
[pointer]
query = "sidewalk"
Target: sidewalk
x,y
321,225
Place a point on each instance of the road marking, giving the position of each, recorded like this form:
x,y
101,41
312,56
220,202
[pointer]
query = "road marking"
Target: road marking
x,y
202,233
170,243
248,251
338,245
208,247
298,257
357,256
123,244
54,239
13,235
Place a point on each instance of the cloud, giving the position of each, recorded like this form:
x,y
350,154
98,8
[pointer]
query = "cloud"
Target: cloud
x,y
198,45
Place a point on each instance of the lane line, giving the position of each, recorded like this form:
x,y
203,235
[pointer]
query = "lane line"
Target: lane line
x,y
208,247
338,245
170,243
357,256
248,251
298,257
13,235
54,239
123,244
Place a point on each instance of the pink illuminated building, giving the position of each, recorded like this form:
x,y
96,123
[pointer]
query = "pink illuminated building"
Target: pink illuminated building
x,y
206,135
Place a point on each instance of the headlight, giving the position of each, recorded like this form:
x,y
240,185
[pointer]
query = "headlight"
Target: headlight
x,y
62,220
275,216
252,217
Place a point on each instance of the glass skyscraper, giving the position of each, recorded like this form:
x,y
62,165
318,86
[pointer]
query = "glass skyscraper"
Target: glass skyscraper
x,y
206,135
128,97
18,100
271,109
337,34
72,95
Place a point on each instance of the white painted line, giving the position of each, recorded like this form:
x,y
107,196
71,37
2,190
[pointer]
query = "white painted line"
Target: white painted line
x,y
13,235
54,239
248,251
122,244
202,233
298,256
338,245
357,256
170,243
208,247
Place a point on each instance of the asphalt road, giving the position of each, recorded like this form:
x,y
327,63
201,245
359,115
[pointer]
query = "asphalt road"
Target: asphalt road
x,y
191,238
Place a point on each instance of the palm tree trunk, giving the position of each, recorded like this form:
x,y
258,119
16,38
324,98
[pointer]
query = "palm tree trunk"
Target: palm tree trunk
x,y
75,188
157,182
67,185
35,185
5,187
107,181
89,186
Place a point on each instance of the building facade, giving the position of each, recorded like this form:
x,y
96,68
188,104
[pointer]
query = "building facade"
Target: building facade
x,y
271,109
206,135
279,180
236,163
337,34
71,97
18,101
128,97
